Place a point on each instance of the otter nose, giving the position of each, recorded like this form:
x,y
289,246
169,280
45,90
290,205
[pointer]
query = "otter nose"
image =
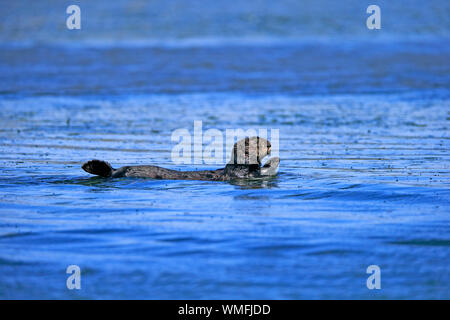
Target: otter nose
x,y
268,150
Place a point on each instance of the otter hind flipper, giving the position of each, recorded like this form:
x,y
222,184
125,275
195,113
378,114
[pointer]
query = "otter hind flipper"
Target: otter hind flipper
x,y
98,167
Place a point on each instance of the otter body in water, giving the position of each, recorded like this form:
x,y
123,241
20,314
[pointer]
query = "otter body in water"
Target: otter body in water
x,y
245,163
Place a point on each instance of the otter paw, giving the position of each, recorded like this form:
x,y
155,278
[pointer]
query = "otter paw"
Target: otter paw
x,y
270,168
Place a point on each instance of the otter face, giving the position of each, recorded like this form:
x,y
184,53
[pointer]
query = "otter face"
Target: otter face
x,y
250,151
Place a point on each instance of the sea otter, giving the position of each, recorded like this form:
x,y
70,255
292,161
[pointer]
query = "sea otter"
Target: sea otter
x,y
245,163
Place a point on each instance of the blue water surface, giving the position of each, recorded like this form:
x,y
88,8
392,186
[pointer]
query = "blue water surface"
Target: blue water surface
x,y
363,119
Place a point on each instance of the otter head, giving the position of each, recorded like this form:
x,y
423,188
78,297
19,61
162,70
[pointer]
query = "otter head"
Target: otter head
x,y
250,151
